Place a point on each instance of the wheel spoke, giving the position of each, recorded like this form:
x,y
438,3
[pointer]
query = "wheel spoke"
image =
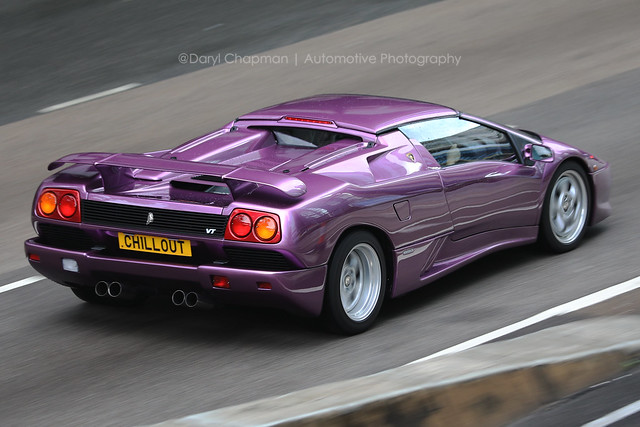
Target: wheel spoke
x,y
559,203
564,186
353,260
360,282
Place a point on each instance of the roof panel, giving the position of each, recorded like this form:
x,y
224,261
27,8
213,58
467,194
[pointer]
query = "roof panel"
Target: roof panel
x,y
361,112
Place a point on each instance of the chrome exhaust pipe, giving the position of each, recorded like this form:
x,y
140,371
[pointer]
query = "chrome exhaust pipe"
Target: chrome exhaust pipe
x,y
115,289
178,297
102,288
191,299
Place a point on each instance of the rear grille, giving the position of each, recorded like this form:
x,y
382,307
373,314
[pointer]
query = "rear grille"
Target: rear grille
x,y
164,220
62,237
258,259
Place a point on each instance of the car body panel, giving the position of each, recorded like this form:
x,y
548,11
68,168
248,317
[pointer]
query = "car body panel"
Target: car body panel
x,y
484,196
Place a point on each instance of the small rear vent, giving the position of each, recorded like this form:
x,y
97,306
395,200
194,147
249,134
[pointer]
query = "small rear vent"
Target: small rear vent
x,y
202,188
258,259
209,178
62,237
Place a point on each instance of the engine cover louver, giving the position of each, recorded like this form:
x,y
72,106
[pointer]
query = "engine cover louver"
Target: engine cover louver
x,y
147,219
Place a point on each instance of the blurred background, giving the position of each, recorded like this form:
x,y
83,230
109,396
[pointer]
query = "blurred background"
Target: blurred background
x,y
177,69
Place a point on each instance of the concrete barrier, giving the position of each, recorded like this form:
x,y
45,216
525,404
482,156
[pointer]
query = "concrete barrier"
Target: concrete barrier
x,y
488,385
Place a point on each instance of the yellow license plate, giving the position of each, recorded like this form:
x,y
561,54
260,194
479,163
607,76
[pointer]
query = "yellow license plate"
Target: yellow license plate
x,y
157,245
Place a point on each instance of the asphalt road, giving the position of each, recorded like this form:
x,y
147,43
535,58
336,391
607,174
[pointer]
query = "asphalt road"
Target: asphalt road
x,y
568,71
54,51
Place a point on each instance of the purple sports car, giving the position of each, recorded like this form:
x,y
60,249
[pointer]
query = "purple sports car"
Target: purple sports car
x,y
323,206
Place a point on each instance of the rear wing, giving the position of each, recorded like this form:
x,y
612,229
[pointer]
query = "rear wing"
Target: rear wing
x,y
107,162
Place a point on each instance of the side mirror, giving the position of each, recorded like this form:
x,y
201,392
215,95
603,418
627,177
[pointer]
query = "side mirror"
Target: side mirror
x,y
537,153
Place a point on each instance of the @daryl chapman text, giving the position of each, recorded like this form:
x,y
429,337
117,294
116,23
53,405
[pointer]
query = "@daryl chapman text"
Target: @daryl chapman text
x,y
320,59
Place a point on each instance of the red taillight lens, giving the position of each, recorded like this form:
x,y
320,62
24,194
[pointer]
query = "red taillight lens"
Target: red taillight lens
x,y
266,228
253,226
316,121
241,225
48,202
68,205
59,203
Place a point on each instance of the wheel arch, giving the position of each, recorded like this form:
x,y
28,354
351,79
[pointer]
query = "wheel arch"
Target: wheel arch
x,y
387,249
582,164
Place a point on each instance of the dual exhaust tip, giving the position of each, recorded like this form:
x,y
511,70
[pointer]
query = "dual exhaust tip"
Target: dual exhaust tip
x,y
188,299
113,289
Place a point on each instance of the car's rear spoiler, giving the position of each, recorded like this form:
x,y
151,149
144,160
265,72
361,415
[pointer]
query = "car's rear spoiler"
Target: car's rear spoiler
x,y
105,162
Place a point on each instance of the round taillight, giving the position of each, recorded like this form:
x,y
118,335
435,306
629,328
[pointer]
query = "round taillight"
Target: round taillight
x,y
266,228
68,206
47,203
241,225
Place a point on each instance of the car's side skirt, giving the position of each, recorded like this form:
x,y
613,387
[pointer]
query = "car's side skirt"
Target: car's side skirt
x,y
418,266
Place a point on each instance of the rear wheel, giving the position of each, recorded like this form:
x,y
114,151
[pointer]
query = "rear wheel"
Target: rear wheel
x,y
355,284
566,209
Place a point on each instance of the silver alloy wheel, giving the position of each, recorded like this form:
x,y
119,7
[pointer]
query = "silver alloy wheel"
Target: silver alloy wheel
x,y
568,207
360,282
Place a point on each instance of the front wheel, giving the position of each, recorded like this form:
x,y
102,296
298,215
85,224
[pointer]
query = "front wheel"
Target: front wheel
x,y
566,209
355,284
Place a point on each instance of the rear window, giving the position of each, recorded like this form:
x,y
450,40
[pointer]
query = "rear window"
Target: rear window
x,y
309,138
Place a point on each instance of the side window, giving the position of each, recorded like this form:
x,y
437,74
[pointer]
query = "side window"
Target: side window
x,y
452,141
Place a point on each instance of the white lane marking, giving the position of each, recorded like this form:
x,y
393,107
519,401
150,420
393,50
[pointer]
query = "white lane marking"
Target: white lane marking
x,y
20,283
212,27
559,310
89,98
615,416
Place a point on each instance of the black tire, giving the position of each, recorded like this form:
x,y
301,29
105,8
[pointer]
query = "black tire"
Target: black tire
x,y
565,216
354,290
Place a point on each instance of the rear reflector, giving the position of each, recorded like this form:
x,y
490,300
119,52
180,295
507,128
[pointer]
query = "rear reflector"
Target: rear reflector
x,y
34,257
220,282
264,286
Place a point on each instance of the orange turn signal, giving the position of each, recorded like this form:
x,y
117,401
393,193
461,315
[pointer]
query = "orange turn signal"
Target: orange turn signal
x,y
48,202
266,228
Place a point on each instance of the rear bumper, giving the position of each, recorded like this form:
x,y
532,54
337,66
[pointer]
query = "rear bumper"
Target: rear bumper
x,y
299,291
